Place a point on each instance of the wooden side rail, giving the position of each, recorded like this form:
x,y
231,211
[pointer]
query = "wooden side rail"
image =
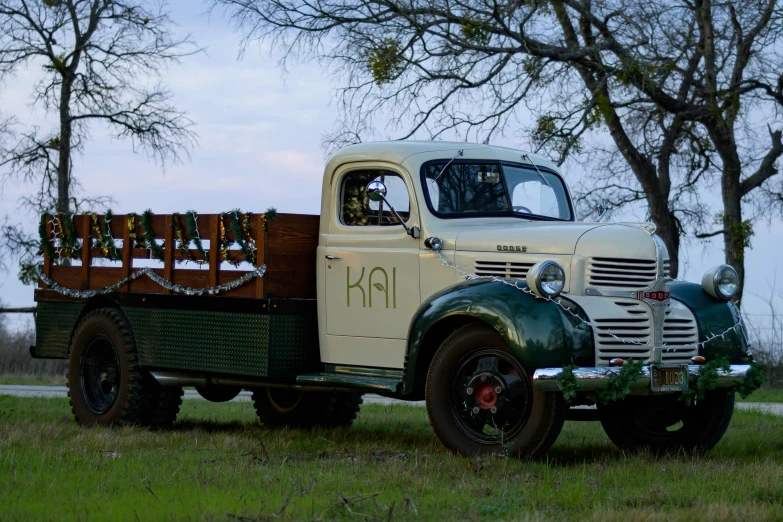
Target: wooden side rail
x,y
287,245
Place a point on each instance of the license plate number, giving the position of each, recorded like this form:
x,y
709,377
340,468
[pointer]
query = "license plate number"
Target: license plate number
x,y
669,378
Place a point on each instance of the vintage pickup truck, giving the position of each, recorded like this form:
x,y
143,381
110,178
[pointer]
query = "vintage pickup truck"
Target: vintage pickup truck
x,y
450,272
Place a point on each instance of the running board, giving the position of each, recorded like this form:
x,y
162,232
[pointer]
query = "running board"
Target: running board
x,y
367,383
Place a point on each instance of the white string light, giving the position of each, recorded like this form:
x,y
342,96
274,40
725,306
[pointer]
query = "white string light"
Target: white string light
x,y
737,327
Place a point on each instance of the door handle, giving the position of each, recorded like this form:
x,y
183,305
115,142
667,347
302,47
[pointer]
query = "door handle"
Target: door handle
x,y
331,257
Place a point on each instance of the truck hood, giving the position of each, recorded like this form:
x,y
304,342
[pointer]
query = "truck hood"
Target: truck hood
x,y
539,237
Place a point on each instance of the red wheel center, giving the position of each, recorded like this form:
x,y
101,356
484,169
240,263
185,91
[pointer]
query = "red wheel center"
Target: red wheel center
x,y
486,397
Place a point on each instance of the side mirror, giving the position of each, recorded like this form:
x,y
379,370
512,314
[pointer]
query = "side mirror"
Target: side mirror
x,y
376,191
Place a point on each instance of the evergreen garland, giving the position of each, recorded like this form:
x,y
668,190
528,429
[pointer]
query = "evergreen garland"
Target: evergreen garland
x,y
242,235
192,226
46,243
149,235
103,238
70,241
616,389
756,376
107,236
567,383
619,384
269,215
708,376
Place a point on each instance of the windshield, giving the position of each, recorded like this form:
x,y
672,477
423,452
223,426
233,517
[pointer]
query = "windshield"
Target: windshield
x,y
475,187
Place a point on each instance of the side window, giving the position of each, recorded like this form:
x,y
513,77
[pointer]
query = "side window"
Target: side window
x,y
358,210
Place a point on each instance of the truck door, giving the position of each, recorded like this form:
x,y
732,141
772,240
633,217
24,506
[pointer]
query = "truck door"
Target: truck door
x,y
371,270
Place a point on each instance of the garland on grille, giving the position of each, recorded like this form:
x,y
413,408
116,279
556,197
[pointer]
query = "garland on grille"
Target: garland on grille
x,y
179,289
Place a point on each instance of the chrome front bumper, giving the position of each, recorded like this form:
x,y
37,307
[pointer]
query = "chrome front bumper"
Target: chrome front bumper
x,y
545,379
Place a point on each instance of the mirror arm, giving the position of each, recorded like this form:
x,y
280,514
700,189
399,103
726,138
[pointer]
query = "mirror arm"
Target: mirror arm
x,y
411,231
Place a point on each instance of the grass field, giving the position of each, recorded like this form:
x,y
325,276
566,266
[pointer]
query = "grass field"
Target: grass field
x,y
220,464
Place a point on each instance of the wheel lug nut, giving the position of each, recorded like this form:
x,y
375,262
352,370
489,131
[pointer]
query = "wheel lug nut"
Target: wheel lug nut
x,y
493,409
469,391
475,410
498,389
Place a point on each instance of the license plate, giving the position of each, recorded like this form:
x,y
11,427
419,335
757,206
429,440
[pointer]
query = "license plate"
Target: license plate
x,y
669,378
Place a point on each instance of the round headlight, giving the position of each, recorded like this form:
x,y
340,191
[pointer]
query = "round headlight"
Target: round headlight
x,y
546,279
721,282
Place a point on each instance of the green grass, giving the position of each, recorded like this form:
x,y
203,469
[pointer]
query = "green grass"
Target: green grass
x,y
220,464
764,395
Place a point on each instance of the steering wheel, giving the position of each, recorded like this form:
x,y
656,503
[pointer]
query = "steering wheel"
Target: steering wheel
x,y
520,208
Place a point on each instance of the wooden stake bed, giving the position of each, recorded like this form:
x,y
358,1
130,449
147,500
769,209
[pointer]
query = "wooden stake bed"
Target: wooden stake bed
x,y
286,245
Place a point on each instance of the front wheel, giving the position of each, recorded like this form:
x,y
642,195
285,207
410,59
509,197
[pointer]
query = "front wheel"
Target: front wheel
x,y
666,424
480,399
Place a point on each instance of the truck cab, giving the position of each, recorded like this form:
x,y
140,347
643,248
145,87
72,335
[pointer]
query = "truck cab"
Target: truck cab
x,y
455,273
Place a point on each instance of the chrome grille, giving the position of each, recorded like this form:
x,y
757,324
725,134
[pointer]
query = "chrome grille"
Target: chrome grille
x,y
667,268
502,269
622,274
633,322
680,334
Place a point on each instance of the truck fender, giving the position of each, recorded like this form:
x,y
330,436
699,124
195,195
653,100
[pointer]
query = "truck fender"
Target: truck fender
x,y
714,317
538,332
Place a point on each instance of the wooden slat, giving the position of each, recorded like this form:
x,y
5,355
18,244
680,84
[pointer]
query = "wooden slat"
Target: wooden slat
x,y
125,254
47,262
260,236
86,260
214,250
168,253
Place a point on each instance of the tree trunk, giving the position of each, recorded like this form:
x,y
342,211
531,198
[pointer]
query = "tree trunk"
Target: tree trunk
x,y
667,229
64,149
734,232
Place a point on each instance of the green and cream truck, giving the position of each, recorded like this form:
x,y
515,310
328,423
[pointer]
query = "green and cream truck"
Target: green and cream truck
x,y
452,273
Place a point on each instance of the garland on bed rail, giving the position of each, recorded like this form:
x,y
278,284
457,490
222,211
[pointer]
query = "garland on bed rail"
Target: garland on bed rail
x,y
149,272
63,242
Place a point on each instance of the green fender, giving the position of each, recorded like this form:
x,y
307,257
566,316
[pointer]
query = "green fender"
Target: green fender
x,y
539,333
714,317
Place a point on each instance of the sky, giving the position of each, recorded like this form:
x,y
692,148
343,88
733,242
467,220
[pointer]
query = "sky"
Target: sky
x,y
260,132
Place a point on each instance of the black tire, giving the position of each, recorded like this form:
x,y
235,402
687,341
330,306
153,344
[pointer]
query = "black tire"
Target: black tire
x,y
666,424
460,408
162,405
105,384
346,408
277,407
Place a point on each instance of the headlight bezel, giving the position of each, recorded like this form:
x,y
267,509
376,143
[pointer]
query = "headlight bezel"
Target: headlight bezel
x,y
710,282
534,278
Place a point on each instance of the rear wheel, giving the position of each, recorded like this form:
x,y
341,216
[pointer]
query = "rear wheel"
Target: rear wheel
x,y
105,383
303,409
666,424
480,399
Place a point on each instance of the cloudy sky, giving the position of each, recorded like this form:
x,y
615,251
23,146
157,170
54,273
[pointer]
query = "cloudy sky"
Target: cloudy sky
x,y
259,146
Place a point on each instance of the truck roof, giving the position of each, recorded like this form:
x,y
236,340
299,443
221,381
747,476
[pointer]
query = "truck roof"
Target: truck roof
x,y
399,151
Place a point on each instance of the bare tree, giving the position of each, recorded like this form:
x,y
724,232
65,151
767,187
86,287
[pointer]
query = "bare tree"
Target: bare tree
x,y
98,57
663,80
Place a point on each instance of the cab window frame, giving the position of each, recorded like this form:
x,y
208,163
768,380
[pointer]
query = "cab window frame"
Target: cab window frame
x,y
508,213
379,171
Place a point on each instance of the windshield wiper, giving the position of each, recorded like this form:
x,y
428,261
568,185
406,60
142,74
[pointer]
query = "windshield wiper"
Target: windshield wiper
x,y
543,179
459,153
